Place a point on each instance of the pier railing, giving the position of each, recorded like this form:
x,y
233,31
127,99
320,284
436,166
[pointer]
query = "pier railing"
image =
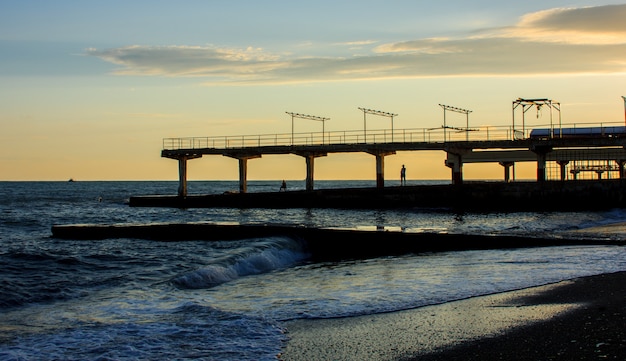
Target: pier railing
x,y
377,136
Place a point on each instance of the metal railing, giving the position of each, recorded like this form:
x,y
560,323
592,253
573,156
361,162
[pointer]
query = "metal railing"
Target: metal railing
x,y
414,135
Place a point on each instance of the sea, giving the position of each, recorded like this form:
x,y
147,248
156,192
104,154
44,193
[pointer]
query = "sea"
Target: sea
x,y
136,299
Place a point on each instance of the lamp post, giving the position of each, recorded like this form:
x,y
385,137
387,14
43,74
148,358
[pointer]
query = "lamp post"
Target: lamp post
x,y
457,110
527,104
623,97
376,112
309,117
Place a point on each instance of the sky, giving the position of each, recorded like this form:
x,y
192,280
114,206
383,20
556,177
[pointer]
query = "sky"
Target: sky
x,y
88,90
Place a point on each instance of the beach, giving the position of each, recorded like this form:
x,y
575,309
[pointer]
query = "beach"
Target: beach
x,y
578,319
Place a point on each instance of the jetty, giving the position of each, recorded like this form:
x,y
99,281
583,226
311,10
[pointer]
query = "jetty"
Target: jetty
x,y
324,244
563,153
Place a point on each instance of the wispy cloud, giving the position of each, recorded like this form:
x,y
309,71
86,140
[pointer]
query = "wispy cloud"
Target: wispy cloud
x,y
554,41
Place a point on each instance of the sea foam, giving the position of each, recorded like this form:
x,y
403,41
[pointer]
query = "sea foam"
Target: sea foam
x,y
270,254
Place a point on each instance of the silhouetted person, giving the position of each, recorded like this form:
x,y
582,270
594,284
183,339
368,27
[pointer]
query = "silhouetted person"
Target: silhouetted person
x,y
403,176
283,186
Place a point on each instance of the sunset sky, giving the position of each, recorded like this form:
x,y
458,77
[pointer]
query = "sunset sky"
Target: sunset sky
x,y
89,89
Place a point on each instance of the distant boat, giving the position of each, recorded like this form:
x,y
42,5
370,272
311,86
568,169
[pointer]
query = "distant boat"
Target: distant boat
x,y
71,180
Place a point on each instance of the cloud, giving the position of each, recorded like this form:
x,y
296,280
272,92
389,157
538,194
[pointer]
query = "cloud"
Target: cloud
x,y
589,25
555,41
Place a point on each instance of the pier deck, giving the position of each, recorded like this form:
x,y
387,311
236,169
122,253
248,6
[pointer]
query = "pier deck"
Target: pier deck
x,y
499,145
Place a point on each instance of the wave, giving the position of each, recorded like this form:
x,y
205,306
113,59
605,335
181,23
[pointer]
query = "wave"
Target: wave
x,y
271,254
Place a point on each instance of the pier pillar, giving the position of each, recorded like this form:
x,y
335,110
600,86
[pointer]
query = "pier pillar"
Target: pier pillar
x,y
182,177
182,172
507,170
380,165
243,168
599,173
562,164
455,162
243,175
620,169
541,152
541,167
310,167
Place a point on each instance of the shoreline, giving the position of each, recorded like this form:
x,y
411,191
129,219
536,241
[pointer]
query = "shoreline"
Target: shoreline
x,y
581,318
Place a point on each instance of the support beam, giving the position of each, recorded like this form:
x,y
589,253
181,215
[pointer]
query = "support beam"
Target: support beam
x,y
243,175
380,165
541,152
620,164
182,177
562,164
243,168
541,167
182,172
455,163
380,171
507,170
310,167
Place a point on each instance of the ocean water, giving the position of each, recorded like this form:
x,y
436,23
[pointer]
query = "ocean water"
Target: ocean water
x,y
132,299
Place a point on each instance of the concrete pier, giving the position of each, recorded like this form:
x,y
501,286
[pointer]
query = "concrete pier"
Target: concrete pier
x,y
506,152
322,244
470,196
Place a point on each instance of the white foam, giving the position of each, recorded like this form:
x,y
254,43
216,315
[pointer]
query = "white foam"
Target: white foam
x,y
274,253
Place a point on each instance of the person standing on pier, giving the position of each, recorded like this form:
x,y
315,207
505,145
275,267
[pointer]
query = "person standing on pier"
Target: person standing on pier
x,y
283,186
403,176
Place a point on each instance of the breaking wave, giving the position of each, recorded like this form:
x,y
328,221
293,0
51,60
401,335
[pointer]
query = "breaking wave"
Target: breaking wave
x,y
268,255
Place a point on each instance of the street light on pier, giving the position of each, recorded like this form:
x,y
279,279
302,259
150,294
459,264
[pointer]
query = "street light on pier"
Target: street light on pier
x,y
309,117
528,104
457,110
623,97
376,112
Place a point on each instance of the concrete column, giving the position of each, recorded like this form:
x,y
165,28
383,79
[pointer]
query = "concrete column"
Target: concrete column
x,y
380,171
380,165
507,170
541,167
455,163
243,167
620,164
541,152
182,171
243,175
457,171
310,167
562,164
182,177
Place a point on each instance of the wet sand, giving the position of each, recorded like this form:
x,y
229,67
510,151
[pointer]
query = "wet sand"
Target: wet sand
x,y
578,319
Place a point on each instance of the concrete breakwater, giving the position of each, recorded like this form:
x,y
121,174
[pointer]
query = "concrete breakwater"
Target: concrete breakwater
x,y
470,196
323,243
